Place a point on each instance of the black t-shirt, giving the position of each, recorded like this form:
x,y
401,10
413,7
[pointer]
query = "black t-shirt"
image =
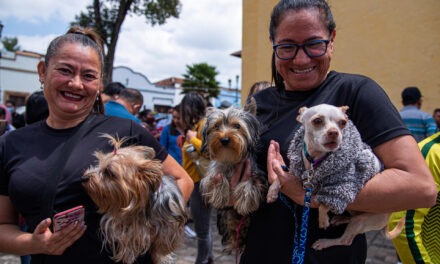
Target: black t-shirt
x,y
26,156
271,233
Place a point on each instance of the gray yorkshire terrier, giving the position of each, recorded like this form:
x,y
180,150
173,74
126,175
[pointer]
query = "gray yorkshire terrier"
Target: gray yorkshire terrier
x,y
143,210
229,137
327,150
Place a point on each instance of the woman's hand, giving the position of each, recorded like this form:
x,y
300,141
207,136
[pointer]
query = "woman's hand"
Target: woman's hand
x,y
278,172
56,243
190,134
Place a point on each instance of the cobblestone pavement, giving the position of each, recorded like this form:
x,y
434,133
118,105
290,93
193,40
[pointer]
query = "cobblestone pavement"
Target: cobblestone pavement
x,y
380,251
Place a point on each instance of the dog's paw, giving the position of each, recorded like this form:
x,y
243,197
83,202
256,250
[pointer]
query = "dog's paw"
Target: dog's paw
x,y
321,244
215,191
272,193
247,197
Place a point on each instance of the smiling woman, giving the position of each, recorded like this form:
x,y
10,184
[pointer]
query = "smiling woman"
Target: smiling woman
x,y
39,178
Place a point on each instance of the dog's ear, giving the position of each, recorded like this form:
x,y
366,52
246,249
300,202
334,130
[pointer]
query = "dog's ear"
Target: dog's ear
x,y
204,135
251,106
344,109
300,114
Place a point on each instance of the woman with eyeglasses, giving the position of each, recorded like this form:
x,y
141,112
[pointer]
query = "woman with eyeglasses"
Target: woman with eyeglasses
x,y
303,34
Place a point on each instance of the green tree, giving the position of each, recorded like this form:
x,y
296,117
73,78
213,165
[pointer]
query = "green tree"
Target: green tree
x,y
200,77
10,44
107,16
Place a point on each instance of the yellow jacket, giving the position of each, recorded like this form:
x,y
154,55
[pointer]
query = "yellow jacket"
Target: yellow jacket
x,y
187,163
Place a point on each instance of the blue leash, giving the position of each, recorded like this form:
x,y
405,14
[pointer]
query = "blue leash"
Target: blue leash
x,y
299,243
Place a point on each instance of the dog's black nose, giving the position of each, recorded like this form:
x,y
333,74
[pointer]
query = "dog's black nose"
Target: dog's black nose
x,y
225,141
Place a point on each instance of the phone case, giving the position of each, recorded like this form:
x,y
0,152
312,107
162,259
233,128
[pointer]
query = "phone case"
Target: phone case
x,y
65,218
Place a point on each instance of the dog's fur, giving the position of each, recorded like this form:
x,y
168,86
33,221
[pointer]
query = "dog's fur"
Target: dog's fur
x,y
229,137
326,130
143,210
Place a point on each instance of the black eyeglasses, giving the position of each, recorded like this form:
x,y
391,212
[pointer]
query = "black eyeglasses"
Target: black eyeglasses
x,y
314,48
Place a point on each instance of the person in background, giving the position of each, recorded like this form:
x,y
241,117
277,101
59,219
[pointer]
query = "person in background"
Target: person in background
x,y
17,119
169,138
112,91
71,75
303,38
149,122
169,135
5,127
258,86
421,124
419,240
224,104
436,117
192,113
36,108
166,120
8,116
126,105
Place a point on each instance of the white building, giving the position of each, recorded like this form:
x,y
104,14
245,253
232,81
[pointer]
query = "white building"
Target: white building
x,y
155,97
19,78
18,75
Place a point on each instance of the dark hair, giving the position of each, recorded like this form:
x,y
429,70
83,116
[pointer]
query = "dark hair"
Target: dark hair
x,y
132,95
10,102
2,112
86,37
36,108
144,113
436,110
173,127
192,109
258,86
411,95
113,88
278,14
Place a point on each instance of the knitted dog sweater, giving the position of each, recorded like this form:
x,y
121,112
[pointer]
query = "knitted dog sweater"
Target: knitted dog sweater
x,y
339,177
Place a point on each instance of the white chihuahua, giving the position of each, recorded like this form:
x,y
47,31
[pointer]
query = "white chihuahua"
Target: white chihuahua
x,y
327,151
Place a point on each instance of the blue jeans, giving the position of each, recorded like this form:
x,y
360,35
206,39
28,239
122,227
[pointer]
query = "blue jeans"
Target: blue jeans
x,y
201,214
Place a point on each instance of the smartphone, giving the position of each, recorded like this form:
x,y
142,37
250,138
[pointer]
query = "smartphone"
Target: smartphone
x,y
65,218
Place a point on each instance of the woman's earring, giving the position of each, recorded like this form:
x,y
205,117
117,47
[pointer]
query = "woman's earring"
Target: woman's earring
x,y
41,85
97,97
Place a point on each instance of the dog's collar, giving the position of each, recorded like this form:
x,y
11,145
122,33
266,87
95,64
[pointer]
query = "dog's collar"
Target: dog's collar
x,y
315,163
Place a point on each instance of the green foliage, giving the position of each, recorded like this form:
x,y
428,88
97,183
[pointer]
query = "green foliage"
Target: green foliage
x,y
107,16
200,77
10,44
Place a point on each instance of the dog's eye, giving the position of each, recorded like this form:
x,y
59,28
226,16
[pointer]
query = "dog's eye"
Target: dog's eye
x,y
216,126
317,121
236,126
342,123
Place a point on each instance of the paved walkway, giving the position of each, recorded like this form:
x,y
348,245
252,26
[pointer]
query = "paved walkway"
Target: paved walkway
x,y
380,251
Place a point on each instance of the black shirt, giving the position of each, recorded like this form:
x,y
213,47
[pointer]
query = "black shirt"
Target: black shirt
x,y
271,232
27,153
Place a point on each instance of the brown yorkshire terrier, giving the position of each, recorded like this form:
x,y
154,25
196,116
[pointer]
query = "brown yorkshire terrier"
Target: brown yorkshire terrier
x,y
143,210
229,137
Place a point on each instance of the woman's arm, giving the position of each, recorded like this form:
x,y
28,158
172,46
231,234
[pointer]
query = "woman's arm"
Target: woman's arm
x,y
185,183
406,182
42,241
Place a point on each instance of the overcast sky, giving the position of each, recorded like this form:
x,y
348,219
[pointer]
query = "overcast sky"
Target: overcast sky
x,y
206,31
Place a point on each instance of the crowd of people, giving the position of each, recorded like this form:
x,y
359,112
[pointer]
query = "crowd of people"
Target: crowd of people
x,y
71,106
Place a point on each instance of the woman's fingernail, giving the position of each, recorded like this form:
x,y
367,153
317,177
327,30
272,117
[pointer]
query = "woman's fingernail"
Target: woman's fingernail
x,y
284,167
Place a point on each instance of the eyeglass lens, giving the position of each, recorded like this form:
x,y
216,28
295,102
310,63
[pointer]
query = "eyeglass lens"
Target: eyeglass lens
x,y
289,51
